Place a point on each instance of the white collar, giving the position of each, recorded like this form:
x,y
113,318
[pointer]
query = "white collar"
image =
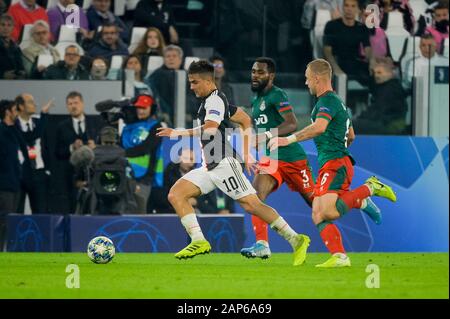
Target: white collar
x,y
24,123
22,3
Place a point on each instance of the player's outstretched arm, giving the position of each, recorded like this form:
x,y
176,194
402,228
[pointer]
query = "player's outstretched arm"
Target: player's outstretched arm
x,y
174,133
309,132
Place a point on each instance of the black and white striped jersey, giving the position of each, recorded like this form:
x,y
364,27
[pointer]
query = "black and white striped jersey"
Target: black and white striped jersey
x,y
215,148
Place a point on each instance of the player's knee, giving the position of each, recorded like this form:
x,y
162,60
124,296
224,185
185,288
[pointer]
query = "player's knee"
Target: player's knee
x,y
250,206
317,214
174,197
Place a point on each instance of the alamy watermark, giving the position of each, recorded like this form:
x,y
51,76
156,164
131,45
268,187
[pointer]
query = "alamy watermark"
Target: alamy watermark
x,y
373,16
73,279
73,18
373,279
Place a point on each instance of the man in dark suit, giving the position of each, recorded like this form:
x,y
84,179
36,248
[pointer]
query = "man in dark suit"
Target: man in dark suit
x,y
71,134
32,131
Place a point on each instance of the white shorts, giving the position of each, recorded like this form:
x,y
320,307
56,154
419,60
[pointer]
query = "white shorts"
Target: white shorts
x,y
227,176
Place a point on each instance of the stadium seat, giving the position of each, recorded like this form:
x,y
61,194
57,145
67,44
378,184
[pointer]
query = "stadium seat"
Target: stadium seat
x,y
188,60
396,34
445,51
119,7
418,7
86,4
136,36
116,62
61,47
131,4
67,34
26,36
316,35
154,62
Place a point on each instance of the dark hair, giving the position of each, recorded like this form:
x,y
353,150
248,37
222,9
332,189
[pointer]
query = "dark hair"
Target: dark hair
x,y
5,105
201,67
19,100
216,57
271,66
74,94
109,25
427,36
441,5
128,58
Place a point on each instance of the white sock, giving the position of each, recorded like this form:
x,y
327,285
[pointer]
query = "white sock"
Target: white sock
x,y
192,227
283,228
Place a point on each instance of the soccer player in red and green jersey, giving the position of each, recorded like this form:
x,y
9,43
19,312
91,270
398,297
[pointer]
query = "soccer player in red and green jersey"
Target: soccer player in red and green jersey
x,y
272,114
332,133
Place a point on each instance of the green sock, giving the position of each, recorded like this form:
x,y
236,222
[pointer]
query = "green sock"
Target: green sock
x,y
341,207
320,226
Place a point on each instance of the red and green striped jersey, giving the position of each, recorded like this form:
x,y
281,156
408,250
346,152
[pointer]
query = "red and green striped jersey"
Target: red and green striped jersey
x,y
332,143
267,112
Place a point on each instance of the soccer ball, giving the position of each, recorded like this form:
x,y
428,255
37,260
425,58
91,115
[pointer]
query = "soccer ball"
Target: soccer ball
x,y
101,250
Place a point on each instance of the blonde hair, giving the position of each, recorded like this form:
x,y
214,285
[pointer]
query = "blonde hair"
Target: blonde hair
x,y
320,67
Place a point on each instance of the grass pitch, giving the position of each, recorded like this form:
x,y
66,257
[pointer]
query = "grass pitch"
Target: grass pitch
x,y
221,276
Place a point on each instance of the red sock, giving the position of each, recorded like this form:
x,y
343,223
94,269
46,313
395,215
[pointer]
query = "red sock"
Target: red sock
x,y
353,199
260,228
331,237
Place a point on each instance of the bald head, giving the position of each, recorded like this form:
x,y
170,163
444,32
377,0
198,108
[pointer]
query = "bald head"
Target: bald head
x,y
320,68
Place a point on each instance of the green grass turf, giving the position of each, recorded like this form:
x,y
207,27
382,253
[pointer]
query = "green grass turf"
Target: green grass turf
x,y
43,275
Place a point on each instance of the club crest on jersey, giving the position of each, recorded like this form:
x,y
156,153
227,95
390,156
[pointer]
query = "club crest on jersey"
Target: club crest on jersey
x,y
262,106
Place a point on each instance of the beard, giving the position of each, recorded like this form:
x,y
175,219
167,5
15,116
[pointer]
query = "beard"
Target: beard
x,y
442,26
260,86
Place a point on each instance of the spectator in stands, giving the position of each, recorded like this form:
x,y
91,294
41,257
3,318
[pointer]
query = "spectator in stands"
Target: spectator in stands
x,y
439,29
402,6
39,45
220,77
311,6
68,69
3,7
152,44
58,15
109,43
162,81
14,158
32,131
343,39
419,66
99,13
143,149
132,62
386,114
426,18
99,69
158,14
11,65
71,134
25,12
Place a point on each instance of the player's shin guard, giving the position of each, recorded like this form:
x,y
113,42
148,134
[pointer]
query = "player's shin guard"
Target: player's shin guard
x,y
260,228
352,199
331,237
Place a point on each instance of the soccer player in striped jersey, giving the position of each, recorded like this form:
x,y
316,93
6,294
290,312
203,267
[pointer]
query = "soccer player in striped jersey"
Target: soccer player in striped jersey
x,y
332,133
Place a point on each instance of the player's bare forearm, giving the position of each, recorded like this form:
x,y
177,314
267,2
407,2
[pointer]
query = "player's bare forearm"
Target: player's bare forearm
x,y
172,133
308,133
288,126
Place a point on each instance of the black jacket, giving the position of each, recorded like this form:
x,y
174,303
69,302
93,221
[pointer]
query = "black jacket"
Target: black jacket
x,y
148,15
37,133
10,57
58,71
11,170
